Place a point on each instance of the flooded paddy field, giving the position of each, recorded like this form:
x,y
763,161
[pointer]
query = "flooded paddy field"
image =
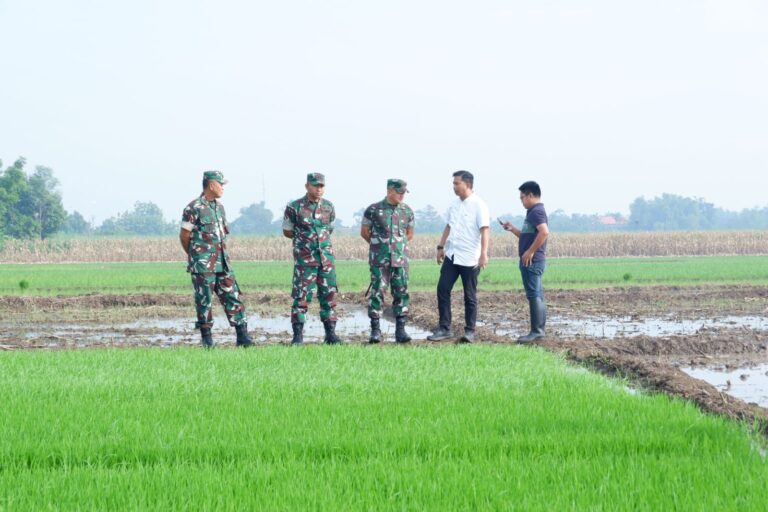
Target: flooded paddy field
x,y
707,344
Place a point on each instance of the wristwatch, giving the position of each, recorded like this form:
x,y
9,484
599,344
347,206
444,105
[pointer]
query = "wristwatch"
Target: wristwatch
x,y
440,247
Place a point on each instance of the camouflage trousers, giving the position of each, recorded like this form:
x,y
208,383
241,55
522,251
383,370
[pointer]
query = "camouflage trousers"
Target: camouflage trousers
x,y
224,285
383,278
305,280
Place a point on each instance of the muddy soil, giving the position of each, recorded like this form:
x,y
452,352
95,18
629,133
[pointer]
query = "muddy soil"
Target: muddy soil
x,y
731,331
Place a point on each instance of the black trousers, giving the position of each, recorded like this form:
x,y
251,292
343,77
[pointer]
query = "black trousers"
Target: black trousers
x,y
449,273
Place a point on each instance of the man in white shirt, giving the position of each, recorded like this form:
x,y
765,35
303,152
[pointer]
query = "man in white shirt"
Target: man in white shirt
x,y
463,252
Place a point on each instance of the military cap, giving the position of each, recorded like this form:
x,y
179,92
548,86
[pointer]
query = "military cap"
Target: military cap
x,y
400,186
315,178
215,176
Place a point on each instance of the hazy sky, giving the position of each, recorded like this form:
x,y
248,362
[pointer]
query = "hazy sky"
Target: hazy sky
x,y
599,101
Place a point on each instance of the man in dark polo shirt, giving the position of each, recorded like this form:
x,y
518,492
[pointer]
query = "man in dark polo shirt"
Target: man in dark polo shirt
x,y
532,250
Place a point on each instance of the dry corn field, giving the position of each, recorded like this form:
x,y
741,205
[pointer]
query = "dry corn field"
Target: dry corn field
x,y
354,248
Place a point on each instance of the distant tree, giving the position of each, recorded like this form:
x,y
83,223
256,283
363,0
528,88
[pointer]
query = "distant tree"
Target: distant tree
x,y
110,226
5,200
428,220
255,219
13,183
725,219
147,219
357,218
144,219
671,212
43,202
30,207
75,224
338,224
753,218
3,196
561,222
514,218
340,227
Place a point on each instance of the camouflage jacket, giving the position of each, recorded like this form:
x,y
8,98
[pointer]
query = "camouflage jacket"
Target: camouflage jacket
x,y
207,222
312,225
389,226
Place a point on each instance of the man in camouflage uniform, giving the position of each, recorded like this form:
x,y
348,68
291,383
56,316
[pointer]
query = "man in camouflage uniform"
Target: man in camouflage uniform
x,y
308,221
388,227
203,236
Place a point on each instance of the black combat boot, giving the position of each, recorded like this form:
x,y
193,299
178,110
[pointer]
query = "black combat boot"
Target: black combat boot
x,y
375,331
330,333
207,339
298,333
243,340
400,335
538,319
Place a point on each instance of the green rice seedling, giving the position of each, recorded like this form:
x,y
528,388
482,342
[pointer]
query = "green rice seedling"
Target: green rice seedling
x,y
464,428
353,276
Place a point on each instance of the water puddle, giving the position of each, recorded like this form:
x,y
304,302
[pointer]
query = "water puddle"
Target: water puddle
x,y
627,326
353,323
85,336
748,384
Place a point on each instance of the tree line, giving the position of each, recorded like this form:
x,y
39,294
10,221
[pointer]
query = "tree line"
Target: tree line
x,y
31,207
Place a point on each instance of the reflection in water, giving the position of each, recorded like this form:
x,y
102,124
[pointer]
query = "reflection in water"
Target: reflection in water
x,y
748,384
353,322
627,327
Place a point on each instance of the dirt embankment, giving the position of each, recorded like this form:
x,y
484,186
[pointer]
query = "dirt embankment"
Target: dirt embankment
x,y
628,301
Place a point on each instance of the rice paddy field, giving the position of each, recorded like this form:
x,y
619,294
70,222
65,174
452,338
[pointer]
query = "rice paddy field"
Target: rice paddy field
x,y
356,428
99,411
353,276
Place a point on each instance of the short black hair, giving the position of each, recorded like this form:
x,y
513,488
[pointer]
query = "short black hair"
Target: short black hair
x,y
530,187
205,183
466,177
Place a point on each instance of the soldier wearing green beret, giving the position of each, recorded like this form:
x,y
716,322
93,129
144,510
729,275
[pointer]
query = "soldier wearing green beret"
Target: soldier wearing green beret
x,y
387,226
308,221
203,236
